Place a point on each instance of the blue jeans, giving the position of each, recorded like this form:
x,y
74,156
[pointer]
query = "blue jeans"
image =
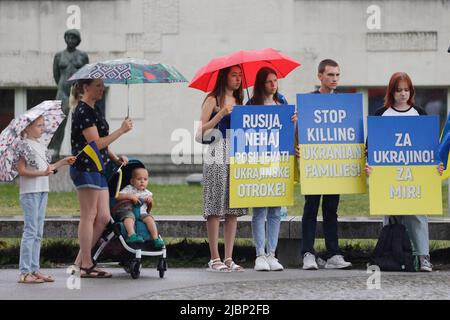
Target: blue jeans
x,y
417,227
273,215
330,204
33,206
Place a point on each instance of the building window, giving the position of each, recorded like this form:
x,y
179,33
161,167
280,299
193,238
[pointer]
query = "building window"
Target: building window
x,y
6,107
376,99
36,96
433,101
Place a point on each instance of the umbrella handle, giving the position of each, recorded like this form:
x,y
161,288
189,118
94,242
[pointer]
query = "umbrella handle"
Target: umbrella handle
x,y
245,81
128,100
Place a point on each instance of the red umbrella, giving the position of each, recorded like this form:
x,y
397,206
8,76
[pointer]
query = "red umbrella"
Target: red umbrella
x,y
250,61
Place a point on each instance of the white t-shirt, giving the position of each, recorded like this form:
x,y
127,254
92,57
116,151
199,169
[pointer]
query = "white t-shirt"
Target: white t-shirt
x,y
36,158
394,112
129,189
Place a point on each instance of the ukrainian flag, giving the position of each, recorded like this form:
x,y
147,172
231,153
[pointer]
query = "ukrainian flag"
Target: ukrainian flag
x,y
91,150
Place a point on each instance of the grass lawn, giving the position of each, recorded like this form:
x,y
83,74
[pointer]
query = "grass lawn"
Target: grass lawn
x,y
178,200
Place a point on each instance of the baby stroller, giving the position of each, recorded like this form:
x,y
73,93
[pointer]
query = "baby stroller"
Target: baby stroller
x,y
112,242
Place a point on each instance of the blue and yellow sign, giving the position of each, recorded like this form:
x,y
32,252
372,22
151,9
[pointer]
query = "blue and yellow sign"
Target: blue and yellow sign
x,y
331,138
262,156
402,152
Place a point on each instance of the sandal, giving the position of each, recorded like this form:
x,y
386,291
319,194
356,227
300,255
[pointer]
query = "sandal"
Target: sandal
x,y
74,270
216,265
233,266
29,278
39,275
94,273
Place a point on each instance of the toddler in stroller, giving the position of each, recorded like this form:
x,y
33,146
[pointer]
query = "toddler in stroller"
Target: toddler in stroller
x,y
132,233
136,194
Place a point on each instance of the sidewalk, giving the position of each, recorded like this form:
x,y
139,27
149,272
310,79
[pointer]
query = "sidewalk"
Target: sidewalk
x,y
192,284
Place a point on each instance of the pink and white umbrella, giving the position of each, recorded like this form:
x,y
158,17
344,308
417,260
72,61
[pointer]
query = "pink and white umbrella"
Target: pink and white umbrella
x,y
11,135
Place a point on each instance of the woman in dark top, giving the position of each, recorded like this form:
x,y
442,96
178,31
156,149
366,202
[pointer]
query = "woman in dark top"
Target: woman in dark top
x,y
89,124
216,111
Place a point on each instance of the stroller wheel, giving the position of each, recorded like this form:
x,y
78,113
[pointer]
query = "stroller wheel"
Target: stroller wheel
x,y
162,267
135,269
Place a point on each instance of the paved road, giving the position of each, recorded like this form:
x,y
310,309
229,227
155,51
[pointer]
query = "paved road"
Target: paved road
x,y
194,284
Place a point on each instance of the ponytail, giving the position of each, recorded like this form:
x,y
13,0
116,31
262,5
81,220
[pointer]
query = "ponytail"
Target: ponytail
x,y
75,95
76,92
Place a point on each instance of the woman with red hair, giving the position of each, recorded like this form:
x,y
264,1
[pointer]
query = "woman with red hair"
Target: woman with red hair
x,y
399,101
399,98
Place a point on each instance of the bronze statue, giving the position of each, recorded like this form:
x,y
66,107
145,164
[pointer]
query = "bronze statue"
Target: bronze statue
x,y
65,64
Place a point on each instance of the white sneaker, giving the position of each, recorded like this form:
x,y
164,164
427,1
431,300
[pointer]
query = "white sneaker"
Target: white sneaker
x,y
273,263
425,264
261,264
337,262
309,262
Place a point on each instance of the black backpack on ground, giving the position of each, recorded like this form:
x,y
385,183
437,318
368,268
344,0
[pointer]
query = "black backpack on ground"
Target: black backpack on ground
x,y
393,251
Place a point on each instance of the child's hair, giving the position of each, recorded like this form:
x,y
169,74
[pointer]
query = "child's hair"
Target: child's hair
x,y
24,134
77,91
134,172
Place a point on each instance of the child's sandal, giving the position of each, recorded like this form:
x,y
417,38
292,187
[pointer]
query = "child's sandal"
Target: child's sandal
x,y
216,265
233,266
43,277
29,278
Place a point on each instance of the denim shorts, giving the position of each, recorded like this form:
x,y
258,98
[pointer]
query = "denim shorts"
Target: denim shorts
x,y
85,179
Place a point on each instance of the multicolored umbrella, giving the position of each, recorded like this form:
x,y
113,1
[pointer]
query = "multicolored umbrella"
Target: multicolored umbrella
x,y
129,71
250,61
10,136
